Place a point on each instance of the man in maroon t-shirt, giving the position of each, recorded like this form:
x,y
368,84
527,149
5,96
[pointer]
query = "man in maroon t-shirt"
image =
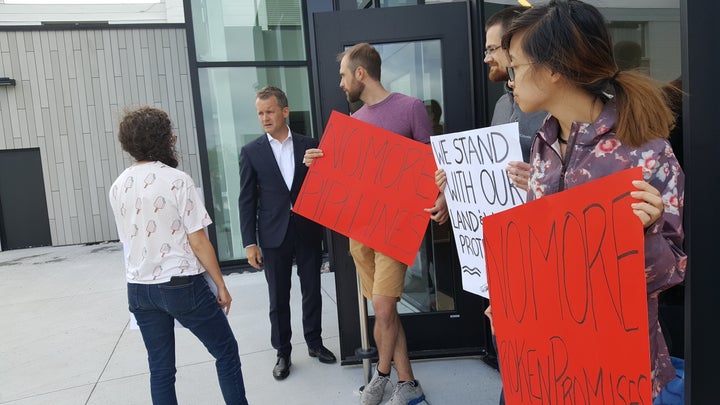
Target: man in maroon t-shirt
x,y
382,277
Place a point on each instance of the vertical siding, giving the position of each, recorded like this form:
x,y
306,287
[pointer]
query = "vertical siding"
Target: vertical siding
x,y
72,87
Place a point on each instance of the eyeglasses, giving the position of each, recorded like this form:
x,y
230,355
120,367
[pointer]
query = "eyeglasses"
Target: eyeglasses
x,y
490,51
511,70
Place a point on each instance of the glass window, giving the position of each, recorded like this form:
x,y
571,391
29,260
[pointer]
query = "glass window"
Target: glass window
x,y
398,3
647,39
228,105
248,30
645,36
415,69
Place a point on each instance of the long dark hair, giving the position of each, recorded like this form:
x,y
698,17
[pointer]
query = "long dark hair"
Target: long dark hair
x,y
571,38
146,134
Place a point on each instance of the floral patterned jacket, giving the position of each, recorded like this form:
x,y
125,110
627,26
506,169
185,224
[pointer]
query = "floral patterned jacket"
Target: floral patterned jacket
x,y
592,152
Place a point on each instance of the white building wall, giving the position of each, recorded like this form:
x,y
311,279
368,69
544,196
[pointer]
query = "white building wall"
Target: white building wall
x,y
72,86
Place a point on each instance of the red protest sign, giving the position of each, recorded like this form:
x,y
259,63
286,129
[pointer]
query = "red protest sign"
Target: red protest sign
x,y
371,185
568,295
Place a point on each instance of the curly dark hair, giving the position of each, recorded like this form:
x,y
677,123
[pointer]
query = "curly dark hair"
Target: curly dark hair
x,y
146,134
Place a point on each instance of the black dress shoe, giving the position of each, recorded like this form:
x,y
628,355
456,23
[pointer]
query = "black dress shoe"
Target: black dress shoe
x,y
282,368
323,354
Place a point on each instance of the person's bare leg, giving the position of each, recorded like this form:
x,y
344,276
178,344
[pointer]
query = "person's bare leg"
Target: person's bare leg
x,y
385,331
390,338
400,356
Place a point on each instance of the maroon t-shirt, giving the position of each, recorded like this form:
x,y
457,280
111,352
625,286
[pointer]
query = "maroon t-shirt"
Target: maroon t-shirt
x,y
401,114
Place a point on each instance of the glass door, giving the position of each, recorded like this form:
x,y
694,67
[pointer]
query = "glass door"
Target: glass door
x,y
415,68
425,54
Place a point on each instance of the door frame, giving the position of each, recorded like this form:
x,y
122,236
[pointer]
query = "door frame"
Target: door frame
x,y
434,334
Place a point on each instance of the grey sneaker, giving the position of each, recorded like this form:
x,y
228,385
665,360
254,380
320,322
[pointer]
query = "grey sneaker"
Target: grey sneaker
x,y
373,392
407,393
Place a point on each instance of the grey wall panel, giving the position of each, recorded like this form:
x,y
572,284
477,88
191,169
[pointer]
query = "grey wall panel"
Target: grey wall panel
x,y
72,89
6,128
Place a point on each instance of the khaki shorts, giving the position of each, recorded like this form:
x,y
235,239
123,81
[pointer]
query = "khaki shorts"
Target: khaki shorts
x,y
379,274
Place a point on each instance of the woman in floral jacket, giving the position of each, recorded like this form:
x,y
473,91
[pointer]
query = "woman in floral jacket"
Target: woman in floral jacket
x,y
601,121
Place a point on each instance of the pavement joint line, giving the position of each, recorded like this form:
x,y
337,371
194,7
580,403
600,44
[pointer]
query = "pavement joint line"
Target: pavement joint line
x,y
117,342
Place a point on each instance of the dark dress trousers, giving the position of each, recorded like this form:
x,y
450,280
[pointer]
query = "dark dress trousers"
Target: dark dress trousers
x,y
266,220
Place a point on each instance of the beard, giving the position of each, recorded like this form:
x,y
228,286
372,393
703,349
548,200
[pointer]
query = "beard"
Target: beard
x,y
353,94
498,74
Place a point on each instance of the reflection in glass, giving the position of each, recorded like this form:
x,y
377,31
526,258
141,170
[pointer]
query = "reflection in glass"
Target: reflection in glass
x,y
652,30
398,3
248,30
401,3
654,33
415,69
228,105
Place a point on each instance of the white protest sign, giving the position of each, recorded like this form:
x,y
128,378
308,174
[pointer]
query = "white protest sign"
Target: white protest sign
x,y
477,186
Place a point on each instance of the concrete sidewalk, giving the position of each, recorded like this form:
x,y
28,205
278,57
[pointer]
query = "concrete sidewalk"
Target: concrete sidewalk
x,y
64,339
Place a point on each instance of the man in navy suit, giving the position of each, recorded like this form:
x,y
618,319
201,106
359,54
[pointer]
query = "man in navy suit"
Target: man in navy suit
x,y
271,173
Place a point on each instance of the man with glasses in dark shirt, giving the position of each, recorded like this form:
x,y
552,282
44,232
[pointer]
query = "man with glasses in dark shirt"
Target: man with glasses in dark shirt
x,y
506,110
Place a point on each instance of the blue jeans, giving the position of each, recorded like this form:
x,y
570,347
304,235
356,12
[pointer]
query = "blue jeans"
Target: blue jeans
x,y
190,301
674,392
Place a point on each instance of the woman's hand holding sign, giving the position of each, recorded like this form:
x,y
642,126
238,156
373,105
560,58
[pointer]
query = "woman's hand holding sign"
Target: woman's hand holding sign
x,y
519,173
441,179
651,206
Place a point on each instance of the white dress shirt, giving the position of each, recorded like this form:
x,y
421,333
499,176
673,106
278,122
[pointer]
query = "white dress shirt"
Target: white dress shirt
x,y
284,156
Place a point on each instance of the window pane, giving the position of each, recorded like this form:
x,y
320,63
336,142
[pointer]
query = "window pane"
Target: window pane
x,y
398,3
415,69
648,34
647,39
228,104
248,30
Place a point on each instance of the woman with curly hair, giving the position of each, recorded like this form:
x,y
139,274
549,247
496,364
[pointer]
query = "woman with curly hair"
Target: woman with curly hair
x,y
160,220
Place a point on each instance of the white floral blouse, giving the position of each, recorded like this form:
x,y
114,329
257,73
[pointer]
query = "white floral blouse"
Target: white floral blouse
x,y
592,152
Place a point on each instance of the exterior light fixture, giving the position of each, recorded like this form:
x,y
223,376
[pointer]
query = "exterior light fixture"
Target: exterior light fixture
x,y
6,81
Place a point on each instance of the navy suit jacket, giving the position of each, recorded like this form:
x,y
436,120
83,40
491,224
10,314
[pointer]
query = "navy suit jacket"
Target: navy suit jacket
x,y
264,197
